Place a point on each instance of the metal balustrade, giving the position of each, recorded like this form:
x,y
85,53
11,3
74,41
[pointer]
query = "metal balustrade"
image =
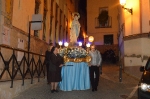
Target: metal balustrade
x,y
29,67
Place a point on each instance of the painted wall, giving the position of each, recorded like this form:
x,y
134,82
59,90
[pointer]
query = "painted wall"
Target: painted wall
x,y
15,15
132,21
139,24
135,34
133,52
145,15
93,12
67,8
136,49
22,14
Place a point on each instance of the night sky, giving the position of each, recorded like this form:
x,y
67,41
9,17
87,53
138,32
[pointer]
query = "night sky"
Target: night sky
x,y
82,5
82,12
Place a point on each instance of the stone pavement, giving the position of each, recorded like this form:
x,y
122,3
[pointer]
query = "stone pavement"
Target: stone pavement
x,y
109,88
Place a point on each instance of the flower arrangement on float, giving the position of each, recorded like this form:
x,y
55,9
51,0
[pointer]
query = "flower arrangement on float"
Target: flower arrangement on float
x,y
74,54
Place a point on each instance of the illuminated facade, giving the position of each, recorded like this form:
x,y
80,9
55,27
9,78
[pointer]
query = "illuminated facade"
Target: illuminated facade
x,y
15,16
129,25
134,35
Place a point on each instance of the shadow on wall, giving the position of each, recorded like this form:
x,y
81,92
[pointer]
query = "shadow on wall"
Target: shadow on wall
x,y
109,56
109,53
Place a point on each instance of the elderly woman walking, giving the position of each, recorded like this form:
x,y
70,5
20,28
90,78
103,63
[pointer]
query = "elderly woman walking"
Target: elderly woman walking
x,y
56,62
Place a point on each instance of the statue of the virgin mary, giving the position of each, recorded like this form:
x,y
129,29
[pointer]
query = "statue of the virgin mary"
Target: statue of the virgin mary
x,y
75,28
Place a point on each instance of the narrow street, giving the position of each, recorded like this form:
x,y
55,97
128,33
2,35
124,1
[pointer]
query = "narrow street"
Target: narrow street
x,y
109,88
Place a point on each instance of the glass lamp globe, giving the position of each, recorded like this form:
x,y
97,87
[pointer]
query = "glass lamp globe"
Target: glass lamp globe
x,y
66,44
80,43
60,43
91,39
122,2
88,45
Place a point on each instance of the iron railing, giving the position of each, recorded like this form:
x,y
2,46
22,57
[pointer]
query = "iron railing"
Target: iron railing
x,y
26,68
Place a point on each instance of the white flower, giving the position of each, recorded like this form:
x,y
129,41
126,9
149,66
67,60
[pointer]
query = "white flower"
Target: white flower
x,y
73,52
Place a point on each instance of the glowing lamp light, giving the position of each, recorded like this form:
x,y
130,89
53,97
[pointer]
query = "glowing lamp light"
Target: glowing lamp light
x,y
66,44
91,39
60,43
122,2
88,45
80,43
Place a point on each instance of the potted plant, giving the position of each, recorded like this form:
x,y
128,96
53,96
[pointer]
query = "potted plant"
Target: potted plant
x,y
103,17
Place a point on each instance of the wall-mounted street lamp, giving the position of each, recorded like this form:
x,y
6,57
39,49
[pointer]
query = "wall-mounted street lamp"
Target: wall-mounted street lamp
x,y
35,24
123,3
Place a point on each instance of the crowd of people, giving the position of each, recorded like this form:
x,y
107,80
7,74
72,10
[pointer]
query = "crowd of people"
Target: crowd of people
x,y
54,63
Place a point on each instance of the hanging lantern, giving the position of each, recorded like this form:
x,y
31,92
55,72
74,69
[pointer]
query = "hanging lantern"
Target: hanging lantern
x,y
91,38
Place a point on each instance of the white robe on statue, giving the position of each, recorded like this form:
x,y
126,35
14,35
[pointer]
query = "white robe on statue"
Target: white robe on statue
x,y
75,30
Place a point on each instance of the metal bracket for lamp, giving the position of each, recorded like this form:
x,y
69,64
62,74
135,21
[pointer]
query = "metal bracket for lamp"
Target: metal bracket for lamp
x,y
123,3
128,9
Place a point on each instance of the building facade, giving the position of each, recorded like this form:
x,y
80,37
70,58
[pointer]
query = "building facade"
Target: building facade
x,y
134,35
102,24
128,28
56,18
15,19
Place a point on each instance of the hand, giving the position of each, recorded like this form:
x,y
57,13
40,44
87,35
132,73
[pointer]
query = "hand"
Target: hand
x,y
60,65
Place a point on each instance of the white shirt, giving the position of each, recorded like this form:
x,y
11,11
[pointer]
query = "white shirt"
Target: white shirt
x,y
96,58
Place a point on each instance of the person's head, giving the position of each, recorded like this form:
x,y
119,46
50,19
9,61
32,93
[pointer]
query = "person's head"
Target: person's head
x,y
76,16
54,50
92,47
50,47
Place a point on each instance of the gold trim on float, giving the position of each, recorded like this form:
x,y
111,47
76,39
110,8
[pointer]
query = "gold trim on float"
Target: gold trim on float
x,y
86,59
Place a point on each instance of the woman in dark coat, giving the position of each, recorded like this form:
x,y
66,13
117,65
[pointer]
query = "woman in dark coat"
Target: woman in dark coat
x,y
56,62
47,58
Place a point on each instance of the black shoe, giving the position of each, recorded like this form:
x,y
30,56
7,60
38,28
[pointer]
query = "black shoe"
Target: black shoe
x,y
56,90
93,90
52,91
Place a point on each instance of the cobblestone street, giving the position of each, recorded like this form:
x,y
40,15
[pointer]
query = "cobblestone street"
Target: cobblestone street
x,y
109,88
